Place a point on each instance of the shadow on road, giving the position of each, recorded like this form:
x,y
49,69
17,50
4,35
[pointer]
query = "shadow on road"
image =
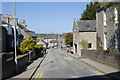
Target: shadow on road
x,y
100,77
47,63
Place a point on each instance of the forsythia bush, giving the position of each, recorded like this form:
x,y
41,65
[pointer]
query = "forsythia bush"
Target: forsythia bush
x,y
27,45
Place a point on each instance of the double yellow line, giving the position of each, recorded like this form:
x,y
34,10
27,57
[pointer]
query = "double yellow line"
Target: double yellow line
x,y
38,76
98,73
104,76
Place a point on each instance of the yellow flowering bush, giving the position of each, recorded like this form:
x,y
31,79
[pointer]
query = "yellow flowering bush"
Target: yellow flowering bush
x,y
27,45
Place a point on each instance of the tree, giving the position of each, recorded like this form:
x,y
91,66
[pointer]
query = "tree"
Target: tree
x,y
69,39
27,45
90,11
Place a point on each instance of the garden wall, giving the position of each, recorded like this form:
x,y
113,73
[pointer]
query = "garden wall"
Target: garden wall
x,y
8,66
111,59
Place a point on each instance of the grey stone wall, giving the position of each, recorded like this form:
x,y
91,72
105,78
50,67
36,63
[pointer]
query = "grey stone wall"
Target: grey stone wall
x,y
109,29
8,65
22,61
99,29
111,59
32,55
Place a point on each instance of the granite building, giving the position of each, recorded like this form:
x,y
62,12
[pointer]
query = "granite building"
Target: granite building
x,y
84,30
108,33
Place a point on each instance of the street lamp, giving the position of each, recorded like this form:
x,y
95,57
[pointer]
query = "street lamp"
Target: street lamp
x,y
15,45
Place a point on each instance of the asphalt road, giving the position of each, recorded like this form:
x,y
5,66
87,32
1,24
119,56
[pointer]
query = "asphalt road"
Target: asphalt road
x,y
58,65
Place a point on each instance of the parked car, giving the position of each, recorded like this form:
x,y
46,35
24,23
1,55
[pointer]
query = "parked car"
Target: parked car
x,y
71,51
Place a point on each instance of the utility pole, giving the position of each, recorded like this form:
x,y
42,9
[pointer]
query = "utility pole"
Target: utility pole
x,y
15,40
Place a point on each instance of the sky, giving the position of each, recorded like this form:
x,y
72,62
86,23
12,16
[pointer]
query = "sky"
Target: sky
x,y
47,17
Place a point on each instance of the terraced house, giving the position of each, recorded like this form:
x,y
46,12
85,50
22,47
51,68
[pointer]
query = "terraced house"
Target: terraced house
x,y
9,23
7,28
3,37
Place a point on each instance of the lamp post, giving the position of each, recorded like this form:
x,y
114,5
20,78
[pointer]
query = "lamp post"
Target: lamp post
x,y
15,45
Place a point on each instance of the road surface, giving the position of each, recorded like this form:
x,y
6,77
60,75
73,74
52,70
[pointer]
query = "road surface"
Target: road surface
x,y
59,65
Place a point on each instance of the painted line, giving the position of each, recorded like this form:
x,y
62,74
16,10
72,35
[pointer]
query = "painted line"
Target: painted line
x,y
98,73
36,78
40,74
104,76
38,66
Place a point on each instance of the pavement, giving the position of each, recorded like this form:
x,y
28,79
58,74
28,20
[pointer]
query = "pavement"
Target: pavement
x,y
99,66
29,70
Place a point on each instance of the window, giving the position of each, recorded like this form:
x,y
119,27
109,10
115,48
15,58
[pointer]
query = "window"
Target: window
x,y
88,26
89,45
104,18
116,24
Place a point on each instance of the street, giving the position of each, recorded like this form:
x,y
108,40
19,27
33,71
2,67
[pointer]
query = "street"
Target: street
x,y
60,65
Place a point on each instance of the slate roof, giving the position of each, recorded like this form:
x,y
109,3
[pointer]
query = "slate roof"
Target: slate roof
x,y
50,37
21,26
53,41
86,25
4,22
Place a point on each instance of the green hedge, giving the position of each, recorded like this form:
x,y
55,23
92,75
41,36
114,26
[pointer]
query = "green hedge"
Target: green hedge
x,y
38,48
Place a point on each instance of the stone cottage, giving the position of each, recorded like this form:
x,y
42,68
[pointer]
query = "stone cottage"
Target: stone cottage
x,y
108,33
84,30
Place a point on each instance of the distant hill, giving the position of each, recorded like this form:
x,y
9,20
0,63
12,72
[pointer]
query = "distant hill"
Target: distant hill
x,y
48,35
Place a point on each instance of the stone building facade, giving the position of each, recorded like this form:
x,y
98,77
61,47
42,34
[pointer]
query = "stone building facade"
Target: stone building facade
x,y
108,33
84,30
51,41
61,43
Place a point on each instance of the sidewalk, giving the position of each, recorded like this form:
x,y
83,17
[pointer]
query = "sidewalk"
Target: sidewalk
x,y
99,66
30,69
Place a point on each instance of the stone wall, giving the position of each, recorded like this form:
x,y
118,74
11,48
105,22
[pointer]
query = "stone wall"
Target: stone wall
x,y
22,61
112,59
107,29
8,67
99,29
90,37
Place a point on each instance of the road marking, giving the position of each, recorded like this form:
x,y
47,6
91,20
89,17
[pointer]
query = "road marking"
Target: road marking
x,y
40,74
68,58
98,73
37,76
104,76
